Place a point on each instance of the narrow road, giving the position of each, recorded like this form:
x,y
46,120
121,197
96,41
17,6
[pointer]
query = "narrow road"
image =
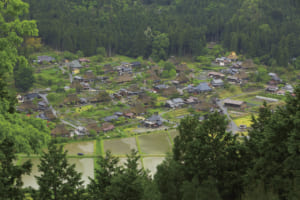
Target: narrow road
x,y
68,123
71,77
232,126
44,97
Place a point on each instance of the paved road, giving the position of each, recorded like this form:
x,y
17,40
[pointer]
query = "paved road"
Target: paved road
x,y
71,77
68,123
232,126
44,97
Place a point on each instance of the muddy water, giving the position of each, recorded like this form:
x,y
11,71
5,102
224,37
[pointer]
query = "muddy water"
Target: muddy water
x,y
84,165
122,162
155,143
150,163
120,146
29,180
80,147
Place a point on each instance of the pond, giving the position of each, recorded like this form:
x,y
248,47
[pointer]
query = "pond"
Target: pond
x,y
155,143
83,165
121,146
86,147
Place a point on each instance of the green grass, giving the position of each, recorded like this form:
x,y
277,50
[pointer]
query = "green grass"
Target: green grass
x,y
235,90
245,120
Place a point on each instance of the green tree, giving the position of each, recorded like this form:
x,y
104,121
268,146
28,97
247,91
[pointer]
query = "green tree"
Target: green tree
x,y
169,70
160,46
11,36
113,182
10,174
169,178
131,183
58,180
274,148
23,75
209,152
107,169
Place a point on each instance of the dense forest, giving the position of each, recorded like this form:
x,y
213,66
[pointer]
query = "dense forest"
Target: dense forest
x,y
269,29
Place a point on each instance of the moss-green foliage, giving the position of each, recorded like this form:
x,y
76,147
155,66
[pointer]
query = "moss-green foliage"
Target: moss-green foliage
x,y
29,133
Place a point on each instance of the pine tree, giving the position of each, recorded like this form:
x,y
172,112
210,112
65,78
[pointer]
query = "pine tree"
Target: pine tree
x,y
107,169
10,174
58,180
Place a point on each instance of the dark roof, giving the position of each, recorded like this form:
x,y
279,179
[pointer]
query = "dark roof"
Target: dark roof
x,y
202,87
162,86
135,64
32,96
111,118
118,113
45,59
155,118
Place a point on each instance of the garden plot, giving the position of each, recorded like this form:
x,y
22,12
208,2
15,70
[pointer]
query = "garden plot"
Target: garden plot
x,y
29,180
150,163
120,146
84,166
80,147
154,144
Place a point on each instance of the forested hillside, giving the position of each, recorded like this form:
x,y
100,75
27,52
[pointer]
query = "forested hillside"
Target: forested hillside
x,y
268,29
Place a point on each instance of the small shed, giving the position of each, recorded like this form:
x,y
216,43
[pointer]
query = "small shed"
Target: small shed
x,y
235,104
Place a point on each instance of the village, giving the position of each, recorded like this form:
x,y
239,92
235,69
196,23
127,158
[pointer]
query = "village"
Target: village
x,y
117,98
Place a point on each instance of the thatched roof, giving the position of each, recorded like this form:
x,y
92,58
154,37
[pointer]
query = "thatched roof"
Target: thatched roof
x,y
203,106
28,105
93,126
182,68
248,64
71,99
89,75
170,91
182,78
107,127
138,108
232,56
60,130
124,78
49,115
242,75
145,99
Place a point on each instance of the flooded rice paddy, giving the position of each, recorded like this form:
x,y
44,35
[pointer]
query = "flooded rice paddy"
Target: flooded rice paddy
x,y
86,147
83,165
121,146
150,163
151,147
155,143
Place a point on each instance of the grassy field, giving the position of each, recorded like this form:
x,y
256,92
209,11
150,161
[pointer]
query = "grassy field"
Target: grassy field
x,y
246,120
234,90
